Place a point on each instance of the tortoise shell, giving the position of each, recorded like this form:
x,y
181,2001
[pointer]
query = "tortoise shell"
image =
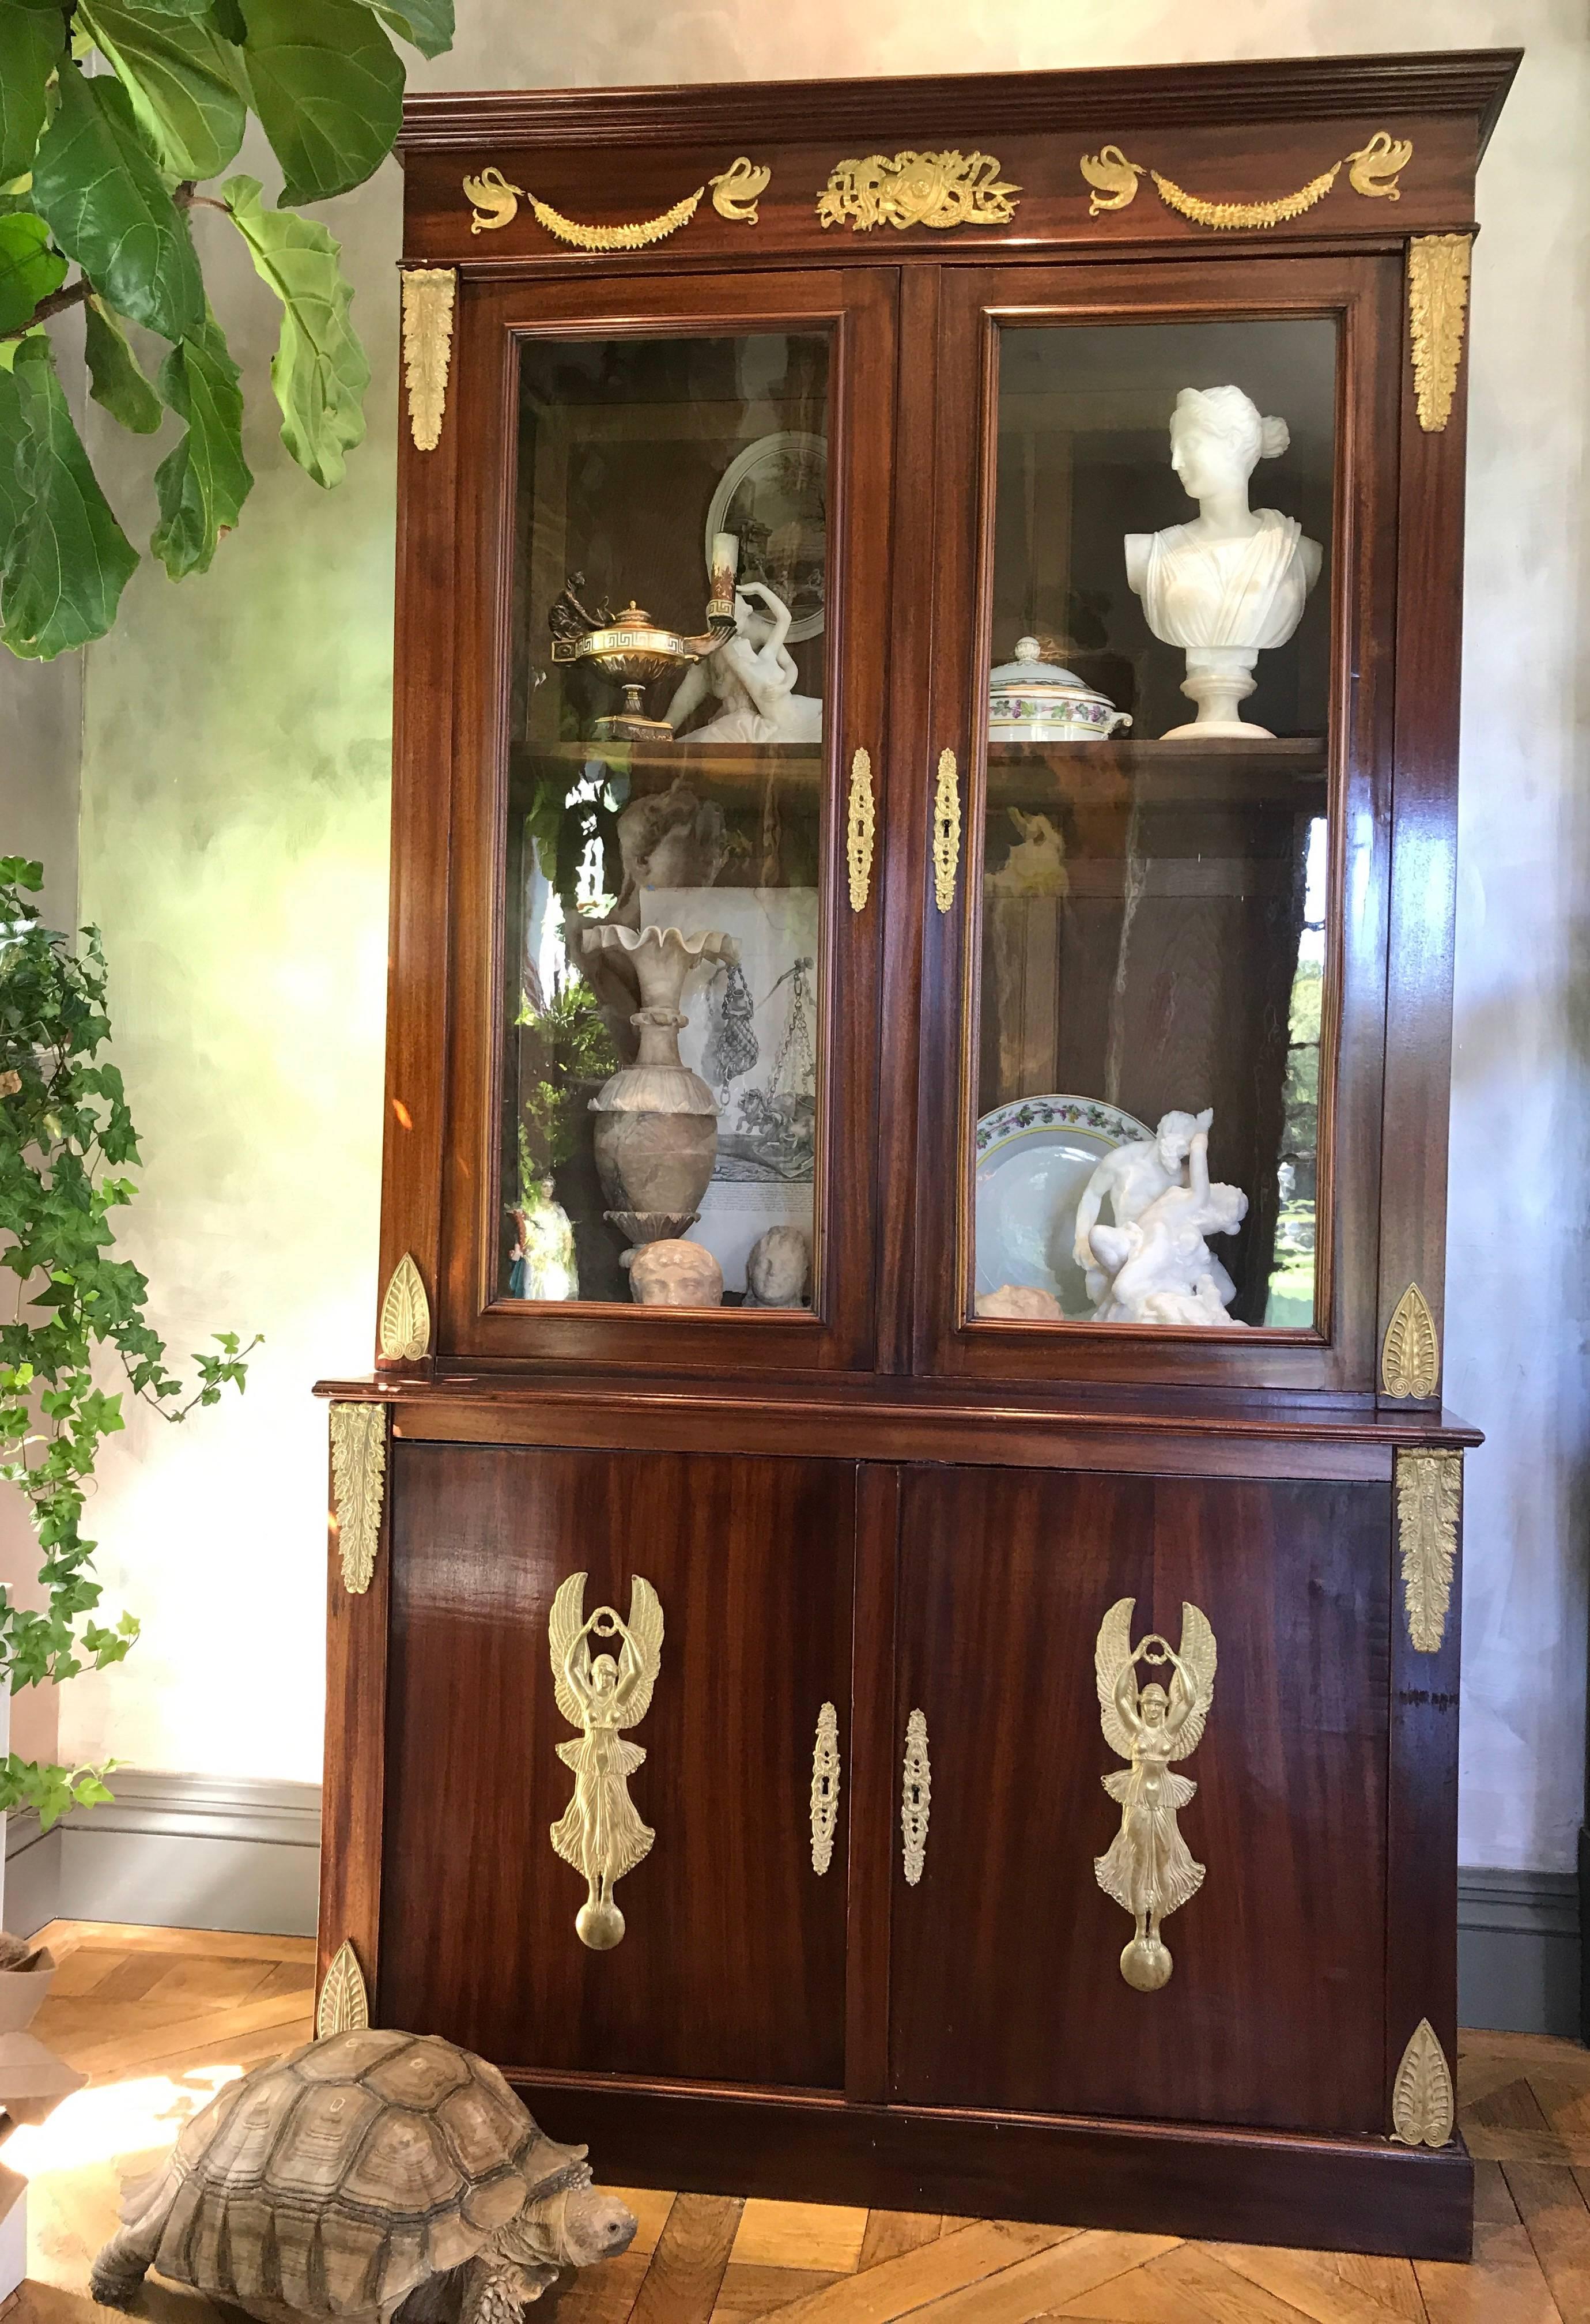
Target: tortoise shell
x,y
334,2181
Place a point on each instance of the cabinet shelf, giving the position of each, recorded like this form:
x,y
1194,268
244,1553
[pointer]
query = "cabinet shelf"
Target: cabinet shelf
x,y
1213,774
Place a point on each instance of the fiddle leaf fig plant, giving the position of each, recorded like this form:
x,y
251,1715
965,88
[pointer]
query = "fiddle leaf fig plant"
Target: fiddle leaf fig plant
x,y
112,114
66,1141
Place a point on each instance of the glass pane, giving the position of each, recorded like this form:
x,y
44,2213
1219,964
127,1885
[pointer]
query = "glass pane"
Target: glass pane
x,y
663,843
1155,842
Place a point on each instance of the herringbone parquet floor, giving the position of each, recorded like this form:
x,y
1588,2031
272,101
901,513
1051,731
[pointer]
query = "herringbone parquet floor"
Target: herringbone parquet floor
x,y
160,2017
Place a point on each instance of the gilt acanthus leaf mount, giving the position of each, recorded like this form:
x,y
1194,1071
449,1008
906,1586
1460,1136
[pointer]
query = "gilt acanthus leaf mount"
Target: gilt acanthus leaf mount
x,y
1438,301
1422,2108
1410,1354
404,1333
358,1483
1429,1496
429,292
344,2006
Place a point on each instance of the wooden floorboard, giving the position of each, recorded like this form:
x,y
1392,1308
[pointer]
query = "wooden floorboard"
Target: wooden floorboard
x,y
158,2017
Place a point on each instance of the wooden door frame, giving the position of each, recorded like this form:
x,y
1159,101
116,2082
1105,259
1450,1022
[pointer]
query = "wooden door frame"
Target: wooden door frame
x,y
1364,293
443,1127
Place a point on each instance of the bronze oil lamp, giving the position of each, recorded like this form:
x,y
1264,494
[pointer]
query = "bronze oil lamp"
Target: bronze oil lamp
x,y
632,651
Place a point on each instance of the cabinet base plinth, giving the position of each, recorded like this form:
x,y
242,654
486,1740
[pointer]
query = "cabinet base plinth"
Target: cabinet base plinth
x,y
1219,2185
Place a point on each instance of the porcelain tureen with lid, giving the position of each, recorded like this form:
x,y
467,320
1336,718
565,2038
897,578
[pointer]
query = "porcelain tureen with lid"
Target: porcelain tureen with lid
x,y
1031,700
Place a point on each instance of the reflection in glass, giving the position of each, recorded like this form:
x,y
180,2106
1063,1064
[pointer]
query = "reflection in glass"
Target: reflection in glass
x,y
661,911
1152,956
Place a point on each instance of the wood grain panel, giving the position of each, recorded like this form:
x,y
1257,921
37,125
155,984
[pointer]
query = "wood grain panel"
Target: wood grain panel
x,y
1006,1990
425,672
733,1964
1421,1827
1350,2194
1233,131
1424,847
353,1789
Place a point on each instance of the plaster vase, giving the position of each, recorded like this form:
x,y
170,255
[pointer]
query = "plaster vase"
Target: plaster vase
x,y
655,1132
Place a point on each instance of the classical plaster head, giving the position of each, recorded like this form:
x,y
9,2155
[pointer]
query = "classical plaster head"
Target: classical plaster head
x,y
1217,439
675,1274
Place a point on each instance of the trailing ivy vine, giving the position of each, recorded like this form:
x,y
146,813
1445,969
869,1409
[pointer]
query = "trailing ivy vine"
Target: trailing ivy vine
x,y
112,114
66,1138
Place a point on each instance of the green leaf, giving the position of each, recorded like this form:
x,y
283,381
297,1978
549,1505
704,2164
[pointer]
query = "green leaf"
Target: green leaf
x,y
328,88
228,20
30,48
182,79
107,207
114,378
425,24
204,481
318,373
29,269
67,559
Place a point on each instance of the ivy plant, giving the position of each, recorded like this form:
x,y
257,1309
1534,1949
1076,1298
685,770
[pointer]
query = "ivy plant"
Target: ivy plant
x,y
113,113
66,1141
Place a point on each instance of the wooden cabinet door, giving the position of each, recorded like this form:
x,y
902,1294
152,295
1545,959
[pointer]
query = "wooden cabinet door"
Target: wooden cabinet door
x,y
1005,1988
732,1965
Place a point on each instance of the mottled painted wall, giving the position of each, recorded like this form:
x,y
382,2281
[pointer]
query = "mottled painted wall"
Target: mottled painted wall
x,y
40,749
234,846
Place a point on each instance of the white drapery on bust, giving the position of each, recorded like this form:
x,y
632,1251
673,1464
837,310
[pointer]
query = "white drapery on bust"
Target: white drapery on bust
x,y
1247,592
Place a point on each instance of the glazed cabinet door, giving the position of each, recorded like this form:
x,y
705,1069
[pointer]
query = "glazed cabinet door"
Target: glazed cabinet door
x,y
1264,2001
717,1954
669,545
1160,759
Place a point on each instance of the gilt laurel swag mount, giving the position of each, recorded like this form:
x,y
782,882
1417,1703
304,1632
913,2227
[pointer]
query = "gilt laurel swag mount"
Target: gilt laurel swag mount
x,y
942,190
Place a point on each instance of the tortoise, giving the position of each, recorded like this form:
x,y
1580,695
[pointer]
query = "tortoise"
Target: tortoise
x,y
367,2173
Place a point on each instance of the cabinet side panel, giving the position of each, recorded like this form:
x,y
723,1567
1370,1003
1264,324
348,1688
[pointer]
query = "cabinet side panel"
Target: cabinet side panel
x,y
1424,855
352,1792
731,1964
423,671
1421,1867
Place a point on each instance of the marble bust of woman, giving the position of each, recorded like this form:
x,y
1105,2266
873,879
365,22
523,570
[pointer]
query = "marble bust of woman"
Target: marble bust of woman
x,y
1234,580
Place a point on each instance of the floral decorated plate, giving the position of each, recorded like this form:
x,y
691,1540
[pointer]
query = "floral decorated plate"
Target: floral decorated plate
x,y
1034,1157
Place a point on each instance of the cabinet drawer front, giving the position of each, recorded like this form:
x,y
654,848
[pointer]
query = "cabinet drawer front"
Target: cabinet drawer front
x,y
1008,1987
731,1967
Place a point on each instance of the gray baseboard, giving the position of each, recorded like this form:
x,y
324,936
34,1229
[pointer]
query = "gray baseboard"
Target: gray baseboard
x,y
174,1851
1518,1951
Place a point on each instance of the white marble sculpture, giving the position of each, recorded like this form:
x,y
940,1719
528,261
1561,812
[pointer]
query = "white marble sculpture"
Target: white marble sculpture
x,y
1234,580
1161,1268
1129,1180
752,675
